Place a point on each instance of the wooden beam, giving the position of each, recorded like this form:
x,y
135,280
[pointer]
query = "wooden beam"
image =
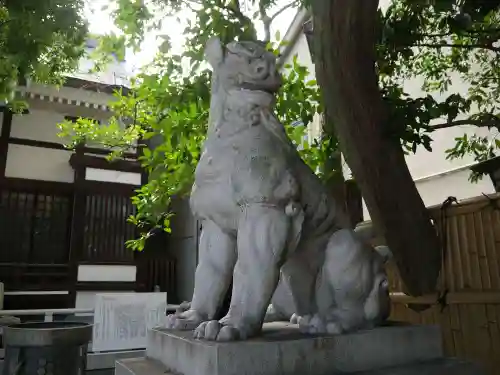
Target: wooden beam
x,y
106,285
36,186
89,161
477,297
77,229
61,146
104,187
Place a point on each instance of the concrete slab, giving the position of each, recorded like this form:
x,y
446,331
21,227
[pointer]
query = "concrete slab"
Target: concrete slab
x,y
106,360
283,350
443,366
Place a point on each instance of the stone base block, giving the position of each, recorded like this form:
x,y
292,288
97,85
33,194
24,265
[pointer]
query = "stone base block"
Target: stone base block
x,y
444,366
146,366
283,350
139,366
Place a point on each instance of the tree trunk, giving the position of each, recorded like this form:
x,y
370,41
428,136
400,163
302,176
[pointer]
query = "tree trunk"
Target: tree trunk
x,y
345,37
336,185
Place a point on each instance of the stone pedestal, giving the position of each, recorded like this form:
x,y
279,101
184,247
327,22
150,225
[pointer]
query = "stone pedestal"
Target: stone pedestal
x,y
282,349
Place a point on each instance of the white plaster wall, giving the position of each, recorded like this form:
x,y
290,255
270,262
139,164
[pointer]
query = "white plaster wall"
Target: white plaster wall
x,y
422,164
436,189
104,175
101,273
68,110
53,113
69,93
106,273
48,164
115,73
39,124
384,4
301,49
38,163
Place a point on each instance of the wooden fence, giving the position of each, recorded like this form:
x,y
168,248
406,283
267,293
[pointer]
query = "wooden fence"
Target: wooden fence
x,y
106,228
469,315
49,229
34,237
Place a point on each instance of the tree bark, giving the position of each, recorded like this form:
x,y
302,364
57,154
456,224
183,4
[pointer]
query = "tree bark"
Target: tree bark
x,y
336,182
345,37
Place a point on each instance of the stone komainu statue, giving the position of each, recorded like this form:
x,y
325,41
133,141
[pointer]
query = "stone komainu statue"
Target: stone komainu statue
x,y
269,221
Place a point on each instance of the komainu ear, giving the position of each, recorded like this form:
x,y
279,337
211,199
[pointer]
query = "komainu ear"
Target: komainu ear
x,y
384,252
214,51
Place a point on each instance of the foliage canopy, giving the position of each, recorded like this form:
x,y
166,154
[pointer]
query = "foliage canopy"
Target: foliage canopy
x,y
168,108
39,40
452,48
438,42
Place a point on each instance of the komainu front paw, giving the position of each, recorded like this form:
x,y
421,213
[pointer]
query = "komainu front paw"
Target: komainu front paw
x,y
215,331
273,315
184,321
314,324
295,319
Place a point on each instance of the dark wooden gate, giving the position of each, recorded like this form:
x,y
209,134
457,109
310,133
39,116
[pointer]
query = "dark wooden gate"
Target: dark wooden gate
x,y
155,269
106,228
35,222
48,229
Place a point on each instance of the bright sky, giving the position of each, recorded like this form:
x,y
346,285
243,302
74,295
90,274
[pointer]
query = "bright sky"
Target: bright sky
x,y
100,23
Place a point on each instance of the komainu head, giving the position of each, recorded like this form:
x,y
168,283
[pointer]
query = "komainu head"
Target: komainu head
x,y
243,65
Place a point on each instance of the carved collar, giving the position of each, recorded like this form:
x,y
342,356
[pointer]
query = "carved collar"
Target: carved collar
x,y
251,97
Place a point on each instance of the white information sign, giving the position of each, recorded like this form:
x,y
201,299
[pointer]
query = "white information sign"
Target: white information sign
x,y
122,320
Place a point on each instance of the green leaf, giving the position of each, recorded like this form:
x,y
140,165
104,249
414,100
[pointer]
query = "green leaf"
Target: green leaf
x,y
277,35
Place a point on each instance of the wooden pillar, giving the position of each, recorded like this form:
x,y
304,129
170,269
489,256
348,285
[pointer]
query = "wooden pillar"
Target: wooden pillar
x,y
354,202
77,227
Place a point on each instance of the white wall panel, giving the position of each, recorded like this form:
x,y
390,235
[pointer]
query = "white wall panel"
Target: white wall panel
x,y
40,125
38,163
104,175
106,273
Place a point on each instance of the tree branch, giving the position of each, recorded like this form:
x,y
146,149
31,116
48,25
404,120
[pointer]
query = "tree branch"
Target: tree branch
x,y
283,9
495,122
234,7
465,46
471,32
266,20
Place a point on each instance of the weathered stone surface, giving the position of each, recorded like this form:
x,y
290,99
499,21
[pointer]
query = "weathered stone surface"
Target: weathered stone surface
x,y
444,366
145,366
269,221
283,350
139,366
121,320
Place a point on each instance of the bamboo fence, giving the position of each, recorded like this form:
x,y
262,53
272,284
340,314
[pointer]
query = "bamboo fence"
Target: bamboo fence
x,y
469,316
